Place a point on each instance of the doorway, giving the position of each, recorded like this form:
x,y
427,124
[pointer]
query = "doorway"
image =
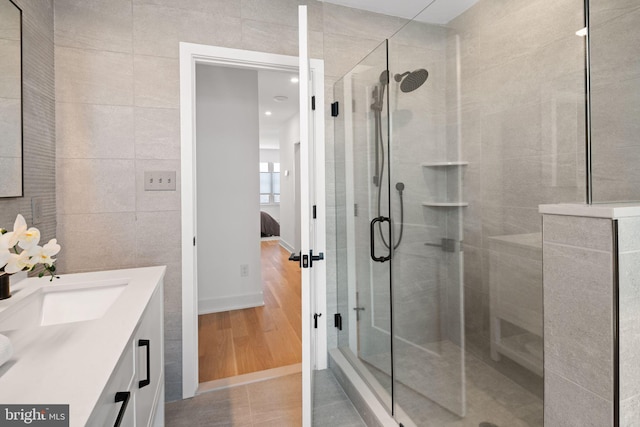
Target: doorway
x,y
249,320
190,56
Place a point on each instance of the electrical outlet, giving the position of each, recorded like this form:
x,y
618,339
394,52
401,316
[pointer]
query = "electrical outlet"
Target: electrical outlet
x,y
36,210
160,181
244,270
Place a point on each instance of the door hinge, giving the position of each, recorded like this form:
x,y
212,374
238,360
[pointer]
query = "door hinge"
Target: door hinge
x,y
355,209
337,321
313,103
314,212
335,109
315,320
194,240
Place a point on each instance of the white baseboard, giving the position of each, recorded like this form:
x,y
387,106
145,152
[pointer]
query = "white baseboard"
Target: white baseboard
x,y
236,302
286,245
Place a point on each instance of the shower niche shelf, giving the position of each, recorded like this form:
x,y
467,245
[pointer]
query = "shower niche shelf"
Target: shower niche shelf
x,y
445,204
443,164
444,179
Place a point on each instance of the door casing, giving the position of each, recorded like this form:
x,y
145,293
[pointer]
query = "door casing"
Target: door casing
x,y
190,55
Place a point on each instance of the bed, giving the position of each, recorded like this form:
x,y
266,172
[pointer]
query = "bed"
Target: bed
x,y
268,225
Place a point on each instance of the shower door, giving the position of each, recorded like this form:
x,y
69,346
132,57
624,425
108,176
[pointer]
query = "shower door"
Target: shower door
x,y
399,235
362,138
427,208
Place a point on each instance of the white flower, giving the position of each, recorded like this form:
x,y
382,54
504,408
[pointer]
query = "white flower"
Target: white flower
x,y
30,238
19,228
19,249
26,238
4,248
42,255
5,241
4,257
17,262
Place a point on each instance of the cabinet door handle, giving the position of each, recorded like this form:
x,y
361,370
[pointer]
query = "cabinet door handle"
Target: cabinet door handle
x,y
122,396
147,381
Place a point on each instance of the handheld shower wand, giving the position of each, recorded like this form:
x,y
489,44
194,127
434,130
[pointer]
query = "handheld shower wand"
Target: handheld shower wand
x,y
409,81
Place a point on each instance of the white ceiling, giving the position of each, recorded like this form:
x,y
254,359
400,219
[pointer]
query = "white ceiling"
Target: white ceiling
x,y
271,84
438,11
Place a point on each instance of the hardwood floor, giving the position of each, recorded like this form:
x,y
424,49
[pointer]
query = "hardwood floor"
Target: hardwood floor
x,y
254,339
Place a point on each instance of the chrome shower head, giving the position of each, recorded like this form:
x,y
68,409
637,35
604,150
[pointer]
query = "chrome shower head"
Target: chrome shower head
x,y
412,80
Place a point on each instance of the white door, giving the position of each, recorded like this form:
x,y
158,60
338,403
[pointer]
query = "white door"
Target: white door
x,y
312,236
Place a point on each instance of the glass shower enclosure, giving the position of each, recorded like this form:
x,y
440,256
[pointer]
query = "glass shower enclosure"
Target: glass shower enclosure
x,y
449,135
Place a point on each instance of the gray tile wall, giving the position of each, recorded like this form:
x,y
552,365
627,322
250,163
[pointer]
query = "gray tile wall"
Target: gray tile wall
x,y
117,81
629,306
38,121
578,326
615,75
520,122
579,266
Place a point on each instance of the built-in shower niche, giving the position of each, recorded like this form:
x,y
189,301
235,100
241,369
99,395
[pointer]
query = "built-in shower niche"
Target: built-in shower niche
x,y
444,184
515,299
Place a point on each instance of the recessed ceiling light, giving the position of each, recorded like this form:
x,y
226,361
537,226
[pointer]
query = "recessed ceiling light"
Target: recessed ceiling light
x,y
280,98
294,80
267,113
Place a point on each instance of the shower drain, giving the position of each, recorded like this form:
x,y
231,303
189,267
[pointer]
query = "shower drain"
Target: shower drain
x,y
487,424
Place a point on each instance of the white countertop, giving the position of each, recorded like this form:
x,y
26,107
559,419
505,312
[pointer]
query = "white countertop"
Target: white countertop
x,y
71,363
604,210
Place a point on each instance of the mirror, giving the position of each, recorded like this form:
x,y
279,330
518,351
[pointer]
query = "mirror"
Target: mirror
x,y
10,99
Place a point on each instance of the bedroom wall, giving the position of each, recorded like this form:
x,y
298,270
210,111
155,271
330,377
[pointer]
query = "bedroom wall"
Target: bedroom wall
x,y
228,216
270,155
289,136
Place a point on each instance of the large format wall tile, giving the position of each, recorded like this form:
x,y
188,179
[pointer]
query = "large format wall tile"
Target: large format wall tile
x,y
156,82
223,8
152,245
157,133
629,234
86,131
159,30
578,305
351,22
570,230
89,241
95,186
91,76
101,24
569,405
269,37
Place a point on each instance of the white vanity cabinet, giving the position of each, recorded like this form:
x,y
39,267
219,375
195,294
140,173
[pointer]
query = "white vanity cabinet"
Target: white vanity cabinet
x,y
149,345
134,395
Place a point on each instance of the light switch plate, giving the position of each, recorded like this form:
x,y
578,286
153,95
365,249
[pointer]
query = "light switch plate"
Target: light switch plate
x,y
160,181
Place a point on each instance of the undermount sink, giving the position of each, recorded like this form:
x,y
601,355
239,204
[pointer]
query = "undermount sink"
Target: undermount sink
x,y
52,305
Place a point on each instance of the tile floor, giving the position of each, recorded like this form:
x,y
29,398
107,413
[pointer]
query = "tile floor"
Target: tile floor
x,y
490,395
275,402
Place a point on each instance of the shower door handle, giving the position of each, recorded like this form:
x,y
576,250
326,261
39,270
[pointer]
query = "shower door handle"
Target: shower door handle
x,y
372,230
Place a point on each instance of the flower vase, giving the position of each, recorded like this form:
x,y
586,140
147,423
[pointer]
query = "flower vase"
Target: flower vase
x,y
5,291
